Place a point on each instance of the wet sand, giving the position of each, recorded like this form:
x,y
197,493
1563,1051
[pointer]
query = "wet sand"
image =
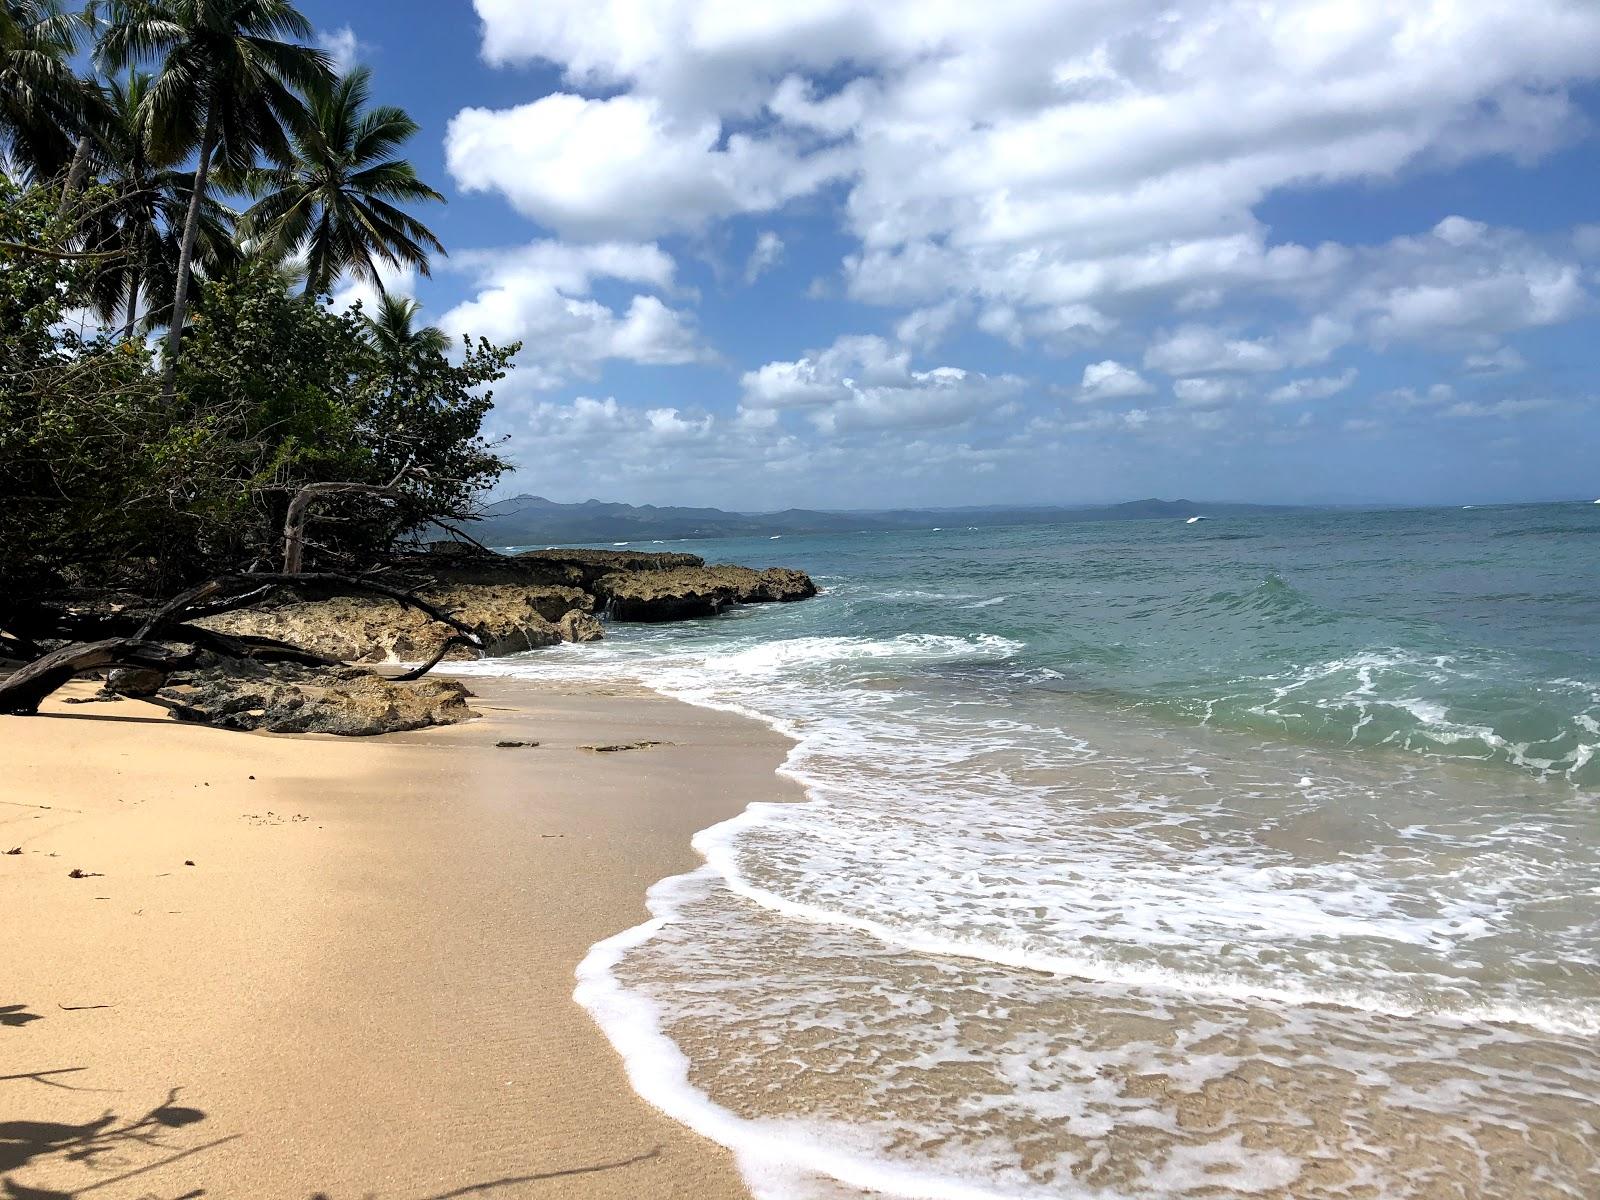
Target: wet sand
x,y
362,985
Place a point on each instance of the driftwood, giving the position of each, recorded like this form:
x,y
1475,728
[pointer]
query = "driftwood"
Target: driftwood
x,y
101,641
24,690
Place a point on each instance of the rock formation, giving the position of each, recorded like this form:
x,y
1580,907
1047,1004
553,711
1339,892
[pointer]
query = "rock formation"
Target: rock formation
x,y
679,593
289,699
515,602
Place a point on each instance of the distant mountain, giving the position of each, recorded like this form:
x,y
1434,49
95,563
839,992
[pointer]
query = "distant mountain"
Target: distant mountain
x,y
536,521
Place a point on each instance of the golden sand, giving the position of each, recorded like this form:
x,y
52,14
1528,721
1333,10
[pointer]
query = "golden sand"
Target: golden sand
x,y
298,967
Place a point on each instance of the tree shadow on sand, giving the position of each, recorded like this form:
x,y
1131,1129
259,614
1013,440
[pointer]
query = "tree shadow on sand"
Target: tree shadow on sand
x,y
108,1146
15,1015
486,1186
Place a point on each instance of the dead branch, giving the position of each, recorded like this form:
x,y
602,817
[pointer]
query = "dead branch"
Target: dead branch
x,y
26,688
294,523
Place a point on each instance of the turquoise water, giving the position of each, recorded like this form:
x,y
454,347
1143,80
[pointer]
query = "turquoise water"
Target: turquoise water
x,y
1256,856
1470,634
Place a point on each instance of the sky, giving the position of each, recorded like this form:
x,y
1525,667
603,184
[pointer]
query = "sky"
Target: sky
x,y
834,254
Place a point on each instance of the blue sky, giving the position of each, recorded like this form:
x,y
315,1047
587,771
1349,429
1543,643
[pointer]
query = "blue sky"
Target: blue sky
x,y
840,255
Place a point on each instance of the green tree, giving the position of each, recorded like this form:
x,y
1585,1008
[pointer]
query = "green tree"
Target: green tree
x,y
336,202
225,90
309,399
96,471
44,105
143,214
400,342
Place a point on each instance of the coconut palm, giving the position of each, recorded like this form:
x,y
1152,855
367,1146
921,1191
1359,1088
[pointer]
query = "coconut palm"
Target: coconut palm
x,y
400,342
144,214
43,103
225,91
333,203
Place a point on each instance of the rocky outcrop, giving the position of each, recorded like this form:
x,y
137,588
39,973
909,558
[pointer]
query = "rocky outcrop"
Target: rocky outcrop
x,y
507,617
287,699
680,593
512,602
580,627
583,568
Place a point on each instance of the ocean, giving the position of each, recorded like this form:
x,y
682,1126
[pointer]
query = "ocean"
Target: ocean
x,y
1255,856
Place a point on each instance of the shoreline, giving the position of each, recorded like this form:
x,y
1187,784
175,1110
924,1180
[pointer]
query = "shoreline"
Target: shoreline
x,y
363,985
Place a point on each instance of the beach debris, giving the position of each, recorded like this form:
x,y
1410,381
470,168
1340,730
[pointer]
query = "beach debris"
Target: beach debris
x,y
615,747
15,850
80,873
514,745
188,862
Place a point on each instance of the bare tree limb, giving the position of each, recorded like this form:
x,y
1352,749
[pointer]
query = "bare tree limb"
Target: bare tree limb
x,y
22,692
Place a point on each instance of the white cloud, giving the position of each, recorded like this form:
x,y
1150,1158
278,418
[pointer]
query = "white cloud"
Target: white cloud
x,y
1501,361
1032,151
1200,349
865,382
1313,388
925,328
1411,398
341,45
541,295
766,254
623,166
397,281
1206,392
1110,380
1495,408
1463,280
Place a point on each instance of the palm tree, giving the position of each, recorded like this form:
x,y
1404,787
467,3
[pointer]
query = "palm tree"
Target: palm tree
x,y
43,103
145,213
396,336
333,202
225,90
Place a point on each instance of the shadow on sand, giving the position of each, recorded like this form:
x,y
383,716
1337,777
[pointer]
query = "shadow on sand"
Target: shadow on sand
x,y
108,1146
492,1185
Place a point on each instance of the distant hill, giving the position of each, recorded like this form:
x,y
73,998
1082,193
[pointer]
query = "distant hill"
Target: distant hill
x,y
535,521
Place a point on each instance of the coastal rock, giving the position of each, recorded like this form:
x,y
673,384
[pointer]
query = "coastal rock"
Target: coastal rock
x,y
680,593
346,701
507,617
583,568
134,681
577,626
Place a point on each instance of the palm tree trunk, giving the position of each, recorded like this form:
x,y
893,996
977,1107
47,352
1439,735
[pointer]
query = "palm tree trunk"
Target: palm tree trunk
x,y
191,230
133,304
75,174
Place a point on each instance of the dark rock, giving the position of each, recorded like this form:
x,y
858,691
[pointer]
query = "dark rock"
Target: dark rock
x,y
290,699
515,745
686,592
134,681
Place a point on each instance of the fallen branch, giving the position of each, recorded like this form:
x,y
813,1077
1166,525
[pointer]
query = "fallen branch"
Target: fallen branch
x,y
26,688
128,641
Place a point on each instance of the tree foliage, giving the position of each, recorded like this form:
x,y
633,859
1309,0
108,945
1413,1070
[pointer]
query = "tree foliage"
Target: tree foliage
x,y
102,480
127,465
333,201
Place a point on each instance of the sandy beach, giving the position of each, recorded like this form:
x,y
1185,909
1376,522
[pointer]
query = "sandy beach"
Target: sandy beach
x,y
318,967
